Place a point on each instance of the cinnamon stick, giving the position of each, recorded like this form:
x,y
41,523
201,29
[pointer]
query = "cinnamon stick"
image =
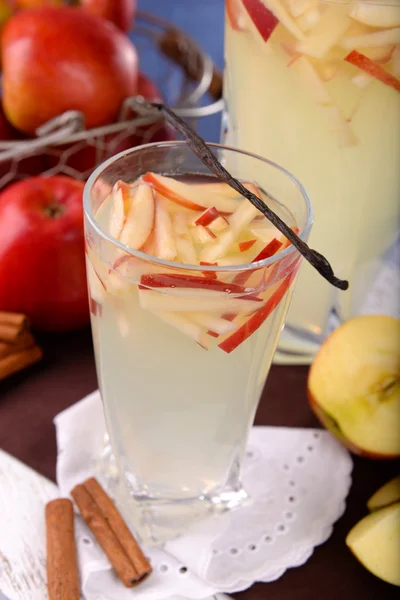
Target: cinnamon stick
x,y
19,360
11,318
62,566
25,340
102,517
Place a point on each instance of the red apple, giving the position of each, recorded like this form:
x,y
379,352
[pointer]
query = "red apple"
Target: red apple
x,y
26,4
42,257
85,159
120,12
58,59
262,17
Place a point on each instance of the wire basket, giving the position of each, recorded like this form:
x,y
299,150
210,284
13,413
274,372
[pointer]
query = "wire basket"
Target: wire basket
x,y
184,74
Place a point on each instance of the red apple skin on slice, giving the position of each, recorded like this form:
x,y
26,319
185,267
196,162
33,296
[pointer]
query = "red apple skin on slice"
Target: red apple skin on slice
x,y
258,318
233,8
175,280
167,193
210,274
140,218
246,245
270,249
262,17
372,68
207,217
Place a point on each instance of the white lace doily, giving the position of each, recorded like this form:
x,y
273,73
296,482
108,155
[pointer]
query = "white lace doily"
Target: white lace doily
x,y
297,479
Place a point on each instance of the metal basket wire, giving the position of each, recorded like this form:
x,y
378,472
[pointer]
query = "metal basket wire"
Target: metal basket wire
x,y
184,74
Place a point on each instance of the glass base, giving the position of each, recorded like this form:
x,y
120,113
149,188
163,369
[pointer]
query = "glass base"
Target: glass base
x,y
157,520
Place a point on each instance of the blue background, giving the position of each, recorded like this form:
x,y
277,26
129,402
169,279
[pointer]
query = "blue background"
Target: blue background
x,y
204,21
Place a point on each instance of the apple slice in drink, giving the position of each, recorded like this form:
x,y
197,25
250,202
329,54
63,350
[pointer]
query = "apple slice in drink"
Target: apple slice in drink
x,y
267,14
375,15
258,318
219,224
178,280
186,252
243,215
188,195
246,245
140,218
396,62
96,286
202,235
315,88
214,323
262,230
330,28
234,13
371,40
201,301
372,68
164,240
121,195
299,7
309,19
185,325
207,217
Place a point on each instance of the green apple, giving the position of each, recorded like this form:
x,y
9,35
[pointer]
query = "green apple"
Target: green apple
x,y
375,542
354,385
386,495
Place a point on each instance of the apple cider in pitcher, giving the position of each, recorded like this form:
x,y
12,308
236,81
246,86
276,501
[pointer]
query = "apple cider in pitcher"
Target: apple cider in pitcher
x,y
315,86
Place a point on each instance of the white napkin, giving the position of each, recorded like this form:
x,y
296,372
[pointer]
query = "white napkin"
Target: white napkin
x,y
297,479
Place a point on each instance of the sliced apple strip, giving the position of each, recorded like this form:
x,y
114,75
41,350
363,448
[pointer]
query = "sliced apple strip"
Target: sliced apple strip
x,y
262,230
207,217
386,495
312,84
372,68
121,205
177,280
376,38
309,19
299,7
234,13
96,286
219,224
269,250
267,14
164,240
240,258
201,302
256,320
376,15
186,252
243,215
140,218
214,323
396,62
202,235
188,195
185,325
330,28
246,245
374,541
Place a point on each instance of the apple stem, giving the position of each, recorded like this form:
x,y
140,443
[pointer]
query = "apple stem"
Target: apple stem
x,y
54,211
203,152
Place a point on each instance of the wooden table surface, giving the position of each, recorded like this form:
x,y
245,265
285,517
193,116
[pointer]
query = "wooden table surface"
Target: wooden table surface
x,y
30,400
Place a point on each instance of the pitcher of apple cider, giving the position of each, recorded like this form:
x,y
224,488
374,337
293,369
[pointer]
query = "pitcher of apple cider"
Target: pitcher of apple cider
x,y
314,85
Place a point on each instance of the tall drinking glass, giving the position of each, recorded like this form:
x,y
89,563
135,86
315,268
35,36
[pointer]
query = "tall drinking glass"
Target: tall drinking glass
x,y
179,400
315,85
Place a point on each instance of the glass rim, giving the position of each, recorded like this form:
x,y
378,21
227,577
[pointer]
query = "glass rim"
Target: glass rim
x,y
303,234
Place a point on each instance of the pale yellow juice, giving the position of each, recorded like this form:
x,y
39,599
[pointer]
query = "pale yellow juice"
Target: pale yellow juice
x,y
296,99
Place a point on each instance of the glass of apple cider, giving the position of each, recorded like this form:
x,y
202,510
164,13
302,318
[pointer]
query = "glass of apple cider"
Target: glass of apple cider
x,y
189,287
315,85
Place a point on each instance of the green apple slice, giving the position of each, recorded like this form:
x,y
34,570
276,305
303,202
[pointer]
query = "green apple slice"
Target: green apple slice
x,y
386,495
375,542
